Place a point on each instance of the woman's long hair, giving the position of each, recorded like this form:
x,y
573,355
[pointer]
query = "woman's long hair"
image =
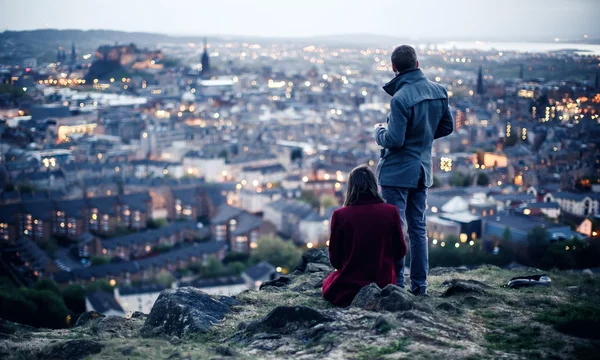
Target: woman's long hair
x,y
361,181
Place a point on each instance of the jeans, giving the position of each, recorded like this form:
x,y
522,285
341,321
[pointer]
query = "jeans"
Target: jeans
x,y
411,205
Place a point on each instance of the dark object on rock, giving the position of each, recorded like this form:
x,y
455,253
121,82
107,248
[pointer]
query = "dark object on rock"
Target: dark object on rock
x,y
225,351
316,256
138,315
462,287
87,317
72,350
285,319
382,325
532,280
185,311
279,282
391,298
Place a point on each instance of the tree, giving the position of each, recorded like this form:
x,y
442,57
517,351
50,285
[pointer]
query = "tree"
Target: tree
x,y
99,260
296,154
328,201
277,252
164,277
458,179
310,197
156,223
483,179
47,284
537,245
98,285
236,267
74,297
507,234
236,257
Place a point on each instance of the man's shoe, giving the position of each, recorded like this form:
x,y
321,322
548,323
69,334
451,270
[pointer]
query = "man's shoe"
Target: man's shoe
x,y
420,292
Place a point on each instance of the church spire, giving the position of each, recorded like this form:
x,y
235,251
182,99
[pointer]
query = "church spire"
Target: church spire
x,y
204,59
521,72
73,54
480,88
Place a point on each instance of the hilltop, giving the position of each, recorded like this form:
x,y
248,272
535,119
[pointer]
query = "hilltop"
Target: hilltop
x,y
469,315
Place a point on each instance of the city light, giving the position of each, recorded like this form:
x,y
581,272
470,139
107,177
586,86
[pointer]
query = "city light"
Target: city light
x,y
309,245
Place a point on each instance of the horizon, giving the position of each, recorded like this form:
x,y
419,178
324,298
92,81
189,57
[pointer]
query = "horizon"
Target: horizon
x,y
269,19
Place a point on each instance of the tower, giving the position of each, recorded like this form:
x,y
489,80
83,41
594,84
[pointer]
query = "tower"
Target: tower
x,y
521,72
73,54
480,88
205,61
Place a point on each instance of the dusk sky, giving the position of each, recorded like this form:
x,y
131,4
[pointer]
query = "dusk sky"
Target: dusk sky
x,y
508,19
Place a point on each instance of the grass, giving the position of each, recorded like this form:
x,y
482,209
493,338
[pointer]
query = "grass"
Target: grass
x,y
375,352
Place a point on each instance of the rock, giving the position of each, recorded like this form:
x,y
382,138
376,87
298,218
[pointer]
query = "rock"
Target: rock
x,y
286,319
225,351
447,307
87,317
471,301
382,325
138,315
127,350
304,287
175,340
185,311
462,287
279,282
314,256
117,326
72,350
10,328
587,272
469,281
313,268
391,298
174,355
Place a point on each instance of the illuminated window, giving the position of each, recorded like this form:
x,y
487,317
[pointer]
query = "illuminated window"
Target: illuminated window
x,y
72,227
232,225
4,231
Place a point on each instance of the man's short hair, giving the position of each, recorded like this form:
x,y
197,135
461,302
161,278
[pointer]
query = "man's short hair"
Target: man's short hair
x,y
404,58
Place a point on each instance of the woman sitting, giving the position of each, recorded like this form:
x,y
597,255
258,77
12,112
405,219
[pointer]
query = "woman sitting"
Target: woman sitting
x,y
366,239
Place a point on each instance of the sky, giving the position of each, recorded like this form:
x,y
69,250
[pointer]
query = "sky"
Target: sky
x,y
417,19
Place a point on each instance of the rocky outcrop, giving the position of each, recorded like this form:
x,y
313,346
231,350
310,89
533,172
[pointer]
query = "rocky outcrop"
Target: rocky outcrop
x,y
464,287
185,311
72,350
391,298
286,319
87,317
315,260
468,315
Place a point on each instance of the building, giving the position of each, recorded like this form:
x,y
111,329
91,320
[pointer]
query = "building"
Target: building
x,y
258,274
521,225
104,303
236,227
224,285
138,298
580,204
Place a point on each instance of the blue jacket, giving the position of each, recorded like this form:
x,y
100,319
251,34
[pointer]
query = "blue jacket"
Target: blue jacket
x,y
419,113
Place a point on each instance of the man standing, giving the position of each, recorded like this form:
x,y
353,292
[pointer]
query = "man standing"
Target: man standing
x,y
419,113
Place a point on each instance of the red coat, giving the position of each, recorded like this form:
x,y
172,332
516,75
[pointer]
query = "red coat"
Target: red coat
x,y
366,239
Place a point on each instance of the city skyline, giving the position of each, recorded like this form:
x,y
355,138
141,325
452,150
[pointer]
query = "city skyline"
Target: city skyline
x,y
459,19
